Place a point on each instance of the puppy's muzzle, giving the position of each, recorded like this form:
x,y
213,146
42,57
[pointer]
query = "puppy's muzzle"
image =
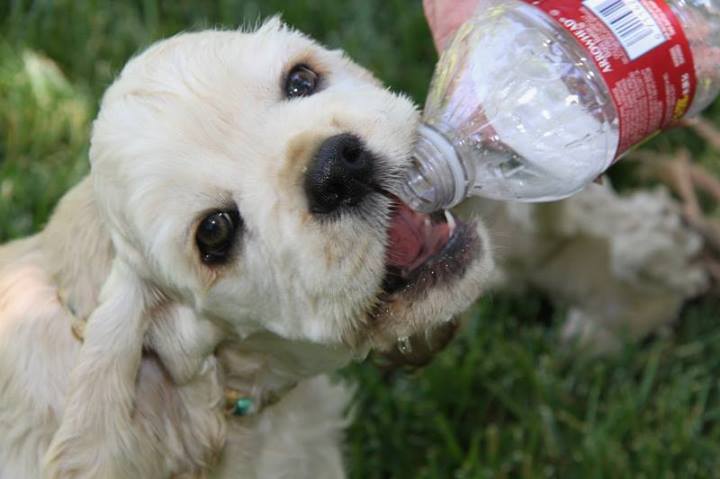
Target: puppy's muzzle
x,y
341,174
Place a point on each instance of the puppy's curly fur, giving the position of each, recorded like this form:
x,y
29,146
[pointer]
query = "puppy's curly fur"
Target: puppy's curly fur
x,y
195,124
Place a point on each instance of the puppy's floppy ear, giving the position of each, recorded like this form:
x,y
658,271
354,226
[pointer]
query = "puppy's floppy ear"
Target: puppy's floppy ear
x,y
95,434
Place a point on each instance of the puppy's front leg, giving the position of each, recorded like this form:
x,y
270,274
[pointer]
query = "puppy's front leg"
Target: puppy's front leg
x,y
95,438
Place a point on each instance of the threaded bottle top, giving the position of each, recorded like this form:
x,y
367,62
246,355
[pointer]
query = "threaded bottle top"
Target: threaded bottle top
x,y
436,178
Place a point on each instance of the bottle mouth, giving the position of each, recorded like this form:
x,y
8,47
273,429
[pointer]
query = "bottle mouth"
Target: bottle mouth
x,y
436,178
417,189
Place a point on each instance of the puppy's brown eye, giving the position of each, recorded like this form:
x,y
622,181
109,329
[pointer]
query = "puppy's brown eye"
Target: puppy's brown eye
x,y
216,235
301,81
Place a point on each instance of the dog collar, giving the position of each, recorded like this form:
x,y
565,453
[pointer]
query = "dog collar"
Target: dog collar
x,y
237,403
240,403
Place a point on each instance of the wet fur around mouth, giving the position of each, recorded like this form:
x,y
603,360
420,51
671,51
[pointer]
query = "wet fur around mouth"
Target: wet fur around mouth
x,y
418,309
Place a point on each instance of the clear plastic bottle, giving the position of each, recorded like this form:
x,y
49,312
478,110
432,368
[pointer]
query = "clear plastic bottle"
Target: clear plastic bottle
x,y
519,110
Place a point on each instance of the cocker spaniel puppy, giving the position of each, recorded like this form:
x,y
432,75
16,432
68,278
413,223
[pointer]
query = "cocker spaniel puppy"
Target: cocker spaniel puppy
x,y
235,240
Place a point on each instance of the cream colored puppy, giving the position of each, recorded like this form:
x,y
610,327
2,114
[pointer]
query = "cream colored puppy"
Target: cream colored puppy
x,y
234,241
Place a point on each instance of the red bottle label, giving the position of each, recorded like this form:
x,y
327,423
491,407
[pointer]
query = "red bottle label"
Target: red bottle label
x,y
642,53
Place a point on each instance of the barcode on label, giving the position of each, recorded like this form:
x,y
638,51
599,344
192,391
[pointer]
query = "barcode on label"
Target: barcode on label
x,y
630,22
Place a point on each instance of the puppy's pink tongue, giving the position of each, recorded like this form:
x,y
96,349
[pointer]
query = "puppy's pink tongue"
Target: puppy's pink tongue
x,y
413,238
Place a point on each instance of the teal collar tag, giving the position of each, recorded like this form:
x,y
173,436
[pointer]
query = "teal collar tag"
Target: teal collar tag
x,y
243,406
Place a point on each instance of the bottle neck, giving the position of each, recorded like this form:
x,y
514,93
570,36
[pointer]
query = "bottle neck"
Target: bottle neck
x,y
436,179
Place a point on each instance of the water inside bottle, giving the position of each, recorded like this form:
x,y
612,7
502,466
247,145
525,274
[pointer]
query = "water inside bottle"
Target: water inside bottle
x,y
515,97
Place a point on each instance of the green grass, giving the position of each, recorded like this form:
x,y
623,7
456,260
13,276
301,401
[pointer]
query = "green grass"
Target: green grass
x,y
505,400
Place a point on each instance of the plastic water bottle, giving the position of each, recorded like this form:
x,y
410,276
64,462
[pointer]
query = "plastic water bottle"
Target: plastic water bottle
x,y
533,100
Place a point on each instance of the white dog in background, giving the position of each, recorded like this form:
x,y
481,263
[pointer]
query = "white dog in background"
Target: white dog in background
x,y
234,241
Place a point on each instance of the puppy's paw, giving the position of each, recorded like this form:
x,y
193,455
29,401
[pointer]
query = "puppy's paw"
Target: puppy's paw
x,y
194,422
589,333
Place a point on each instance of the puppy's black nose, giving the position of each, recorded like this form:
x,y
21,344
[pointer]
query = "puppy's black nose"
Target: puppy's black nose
x,y
341,174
